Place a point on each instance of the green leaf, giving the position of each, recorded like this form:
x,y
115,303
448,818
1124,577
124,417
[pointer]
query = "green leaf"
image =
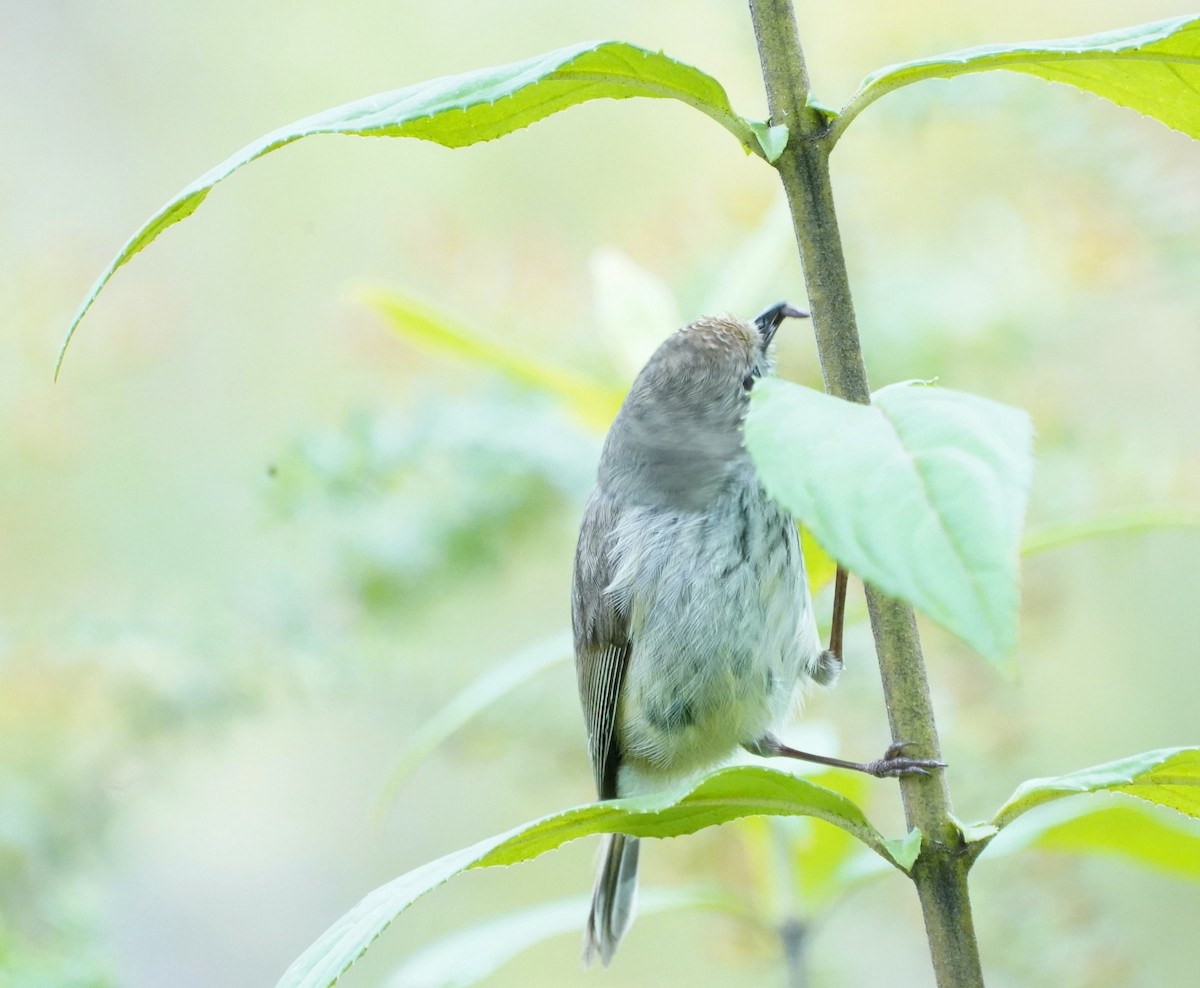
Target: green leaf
x,y
771,139
1128,522
500,680
1152,68
974,833
921,494
456,111
1168,777
594,402
725,795
905,850
1133,832
471,955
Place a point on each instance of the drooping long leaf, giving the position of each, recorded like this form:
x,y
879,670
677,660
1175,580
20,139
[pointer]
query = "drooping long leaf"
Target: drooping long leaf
x,y
1168,777
1151,68
921,494
725,795
456,111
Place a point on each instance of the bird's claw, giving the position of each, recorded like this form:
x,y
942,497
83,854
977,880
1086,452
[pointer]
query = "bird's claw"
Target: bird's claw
x,y
894,764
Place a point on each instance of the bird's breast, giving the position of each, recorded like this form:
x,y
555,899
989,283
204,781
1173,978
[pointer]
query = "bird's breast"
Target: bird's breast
x,y
720,626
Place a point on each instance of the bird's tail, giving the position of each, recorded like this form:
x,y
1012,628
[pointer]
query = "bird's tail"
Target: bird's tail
x,y
613,900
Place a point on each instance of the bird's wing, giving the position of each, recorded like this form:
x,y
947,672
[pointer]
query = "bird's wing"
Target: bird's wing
x,y
602,646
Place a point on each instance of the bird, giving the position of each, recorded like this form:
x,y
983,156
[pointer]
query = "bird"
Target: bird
x,y
693,622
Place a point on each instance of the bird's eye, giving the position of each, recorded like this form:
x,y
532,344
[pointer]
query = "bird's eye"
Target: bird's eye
x,y
748,381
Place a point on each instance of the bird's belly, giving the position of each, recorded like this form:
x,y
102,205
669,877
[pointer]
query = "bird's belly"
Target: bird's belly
x,y
720,639
692,713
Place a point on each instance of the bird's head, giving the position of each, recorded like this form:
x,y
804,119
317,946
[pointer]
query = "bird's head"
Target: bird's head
x,y
679,431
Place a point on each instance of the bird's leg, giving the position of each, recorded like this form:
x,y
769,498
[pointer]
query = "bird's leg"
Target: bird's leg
x,y
892,765
894,762
829,664
838,617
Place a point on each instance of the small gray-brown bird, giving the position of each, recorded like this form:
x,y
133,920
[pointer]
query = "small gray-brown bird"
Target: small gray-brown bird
x,y
693,621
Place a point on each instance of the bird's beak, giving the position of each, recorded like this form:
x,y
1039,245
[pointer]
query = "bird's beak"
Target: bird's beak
x,y
768,320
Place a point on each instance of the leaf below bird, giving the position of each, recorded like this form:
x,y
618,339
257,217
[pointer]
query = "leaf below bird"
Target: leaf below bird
x,y
456,111
921,494
725,795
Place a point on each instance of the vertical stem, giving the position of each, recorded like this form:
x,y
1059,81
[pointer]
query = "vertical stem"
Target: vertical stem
x,y
794,935
940,872
793,929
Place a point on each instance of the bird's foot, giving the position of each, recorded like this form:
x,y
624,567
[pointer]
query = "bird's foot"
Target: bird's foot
x,y
895,764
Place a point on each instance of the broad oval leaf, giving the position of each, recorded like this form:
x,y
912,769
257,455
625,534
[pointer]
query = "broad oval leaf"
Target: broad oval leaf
x,y
725,795
456,111
1168,777
922,494
1152,68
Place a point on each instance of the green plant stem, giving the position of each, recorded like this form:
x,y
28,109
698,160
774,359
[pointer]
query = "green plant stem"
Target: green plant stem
x,y
940,872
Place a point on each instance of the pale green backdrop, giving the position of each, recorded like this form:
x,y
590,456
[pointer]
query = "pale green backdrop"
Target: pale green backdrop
x,y
251,538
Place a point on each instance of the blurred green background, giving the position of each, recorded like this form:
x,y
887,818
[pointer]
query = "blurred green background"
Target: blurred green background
x,y
252,538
